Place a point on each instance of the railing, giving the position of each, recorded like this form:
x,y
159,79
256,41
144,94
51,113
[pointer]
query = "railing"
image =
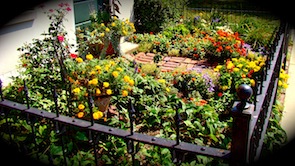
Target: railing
x,y
250,120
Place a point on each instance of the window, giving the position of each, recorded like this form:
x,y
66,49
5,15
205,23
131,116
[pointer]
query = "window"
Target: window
x,y
83,8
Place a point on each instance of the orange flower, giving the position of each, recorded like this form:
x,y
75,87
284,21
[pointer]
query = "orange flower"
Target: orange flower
x,y
201,102
80,114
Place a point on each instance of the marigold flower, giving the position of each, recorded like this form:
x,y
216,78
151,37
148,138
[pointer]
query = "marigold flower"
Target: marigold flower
x,y
113,24
81,107
79,60
162,81
76,90
252,82
107,30
224,88
97,92
89,56
131,82
124,93
285,85
94,81
98,67
167,89
106,84
109,92
126,78
115,74
80,114
97,115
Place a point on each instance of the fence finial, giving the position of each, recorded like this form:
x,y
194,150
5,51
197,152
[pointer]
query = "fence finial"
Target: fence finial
x,y
244,92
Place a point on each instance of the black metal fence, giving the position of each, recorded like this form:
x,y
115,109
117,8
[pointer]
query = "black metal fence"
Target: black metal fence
x,y
249,120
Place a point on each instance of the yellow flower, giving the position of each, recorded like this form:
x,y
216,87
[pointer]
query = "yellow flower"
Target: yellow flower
x,y
131,82
230,65
252,82
79,60
115,18
167,89
218,67
89,56
113,24
107,30
119,69
236,69
224,88
280,83
126,78
285,85
240,65
109,91
124,93
92,72
112,63
257,68
106,84
76,90
97,92
101,34
124,32
102,24
94,81
162,81
81,107
97,115
97,67
115,74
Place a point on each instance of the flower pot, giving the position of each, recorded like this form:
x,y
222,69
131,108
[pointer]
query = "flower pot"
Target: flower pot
x,y
102,102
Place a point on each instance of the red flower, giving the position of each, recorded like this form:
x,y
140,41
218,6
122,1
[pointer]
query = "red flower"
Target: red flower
x,y
68,9
219,94
151,33
72,55
60,38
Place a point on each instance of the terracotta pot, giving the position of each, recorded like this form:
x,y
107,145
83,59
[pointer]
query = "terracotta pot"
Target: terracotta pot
x,y
102,102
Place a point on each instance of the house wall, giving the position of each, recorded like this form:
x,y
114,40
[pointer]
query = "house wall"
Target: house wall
x,y
27,26
30,25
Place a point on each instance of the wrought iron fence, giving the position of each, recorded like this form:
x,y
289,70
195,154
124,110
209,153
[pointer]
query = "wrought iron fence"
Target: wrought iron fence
x,y
250,120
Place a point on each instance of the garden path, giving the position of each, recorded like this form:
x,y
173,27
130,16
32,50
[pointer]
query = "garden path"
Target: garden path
x,y
168,63
288,119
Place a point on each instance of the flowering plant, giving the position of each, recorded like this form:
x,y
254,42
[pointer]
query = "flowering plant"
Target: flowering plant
x,y
237,71
91,77
101,35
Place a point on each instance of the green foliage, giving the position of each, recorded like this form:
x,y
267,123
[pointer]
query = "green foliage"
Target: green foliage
x,y
150,15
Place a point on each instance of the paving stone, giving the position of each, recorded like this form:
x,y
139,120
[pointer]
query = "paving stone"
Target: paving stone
x,y
166,68
161,63
187,60
177,59
171,64
150,54
167,58
139,54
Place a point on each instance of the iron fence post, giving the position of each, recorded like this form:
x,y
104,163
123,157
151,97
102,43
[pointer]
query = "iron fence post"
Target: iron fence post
x,y
242,114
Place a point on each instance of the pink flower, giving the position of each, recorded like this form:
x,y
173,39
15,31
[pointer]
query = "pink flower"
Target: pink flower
x,y
51,10
68,9
60,38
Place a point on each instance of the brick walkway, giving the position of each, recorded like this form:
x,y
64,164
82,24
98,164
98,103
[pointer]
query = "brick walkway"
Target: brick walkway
x,y
169,63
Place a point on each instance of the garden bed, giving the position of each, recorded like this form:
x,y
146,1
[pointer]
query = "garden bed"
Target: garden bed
x,y
193,66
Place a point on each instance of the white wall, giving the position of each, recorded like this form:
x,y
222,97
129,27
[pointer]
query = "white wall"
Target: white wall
x,y
27,26
126,9
32,24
